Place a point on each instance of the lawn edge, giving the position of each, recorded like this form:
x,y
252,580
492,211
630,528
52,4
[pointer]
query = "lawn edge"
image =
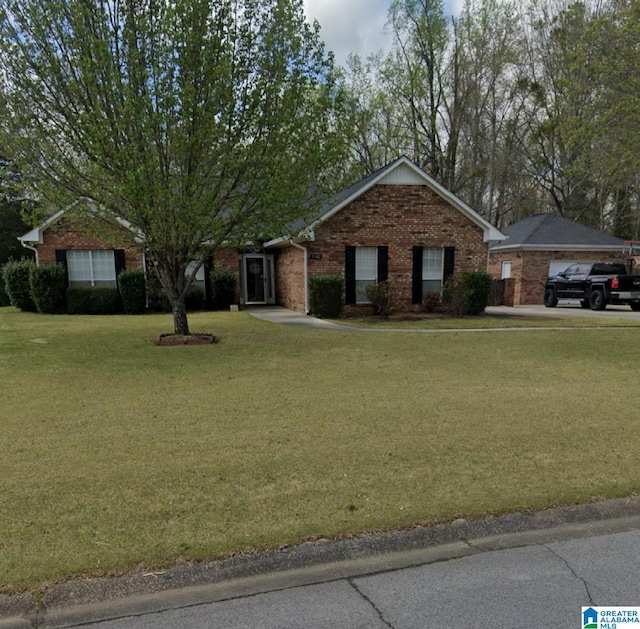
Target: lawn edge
x,y
81,600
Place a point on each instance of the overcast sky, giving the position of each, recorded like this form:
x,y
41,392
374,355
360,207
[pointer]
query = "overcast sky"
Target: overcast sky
x,y
356,25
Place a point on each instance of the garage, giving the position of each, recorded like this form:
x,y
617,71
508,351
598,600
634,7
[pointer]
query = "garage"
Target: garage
x,y
557,266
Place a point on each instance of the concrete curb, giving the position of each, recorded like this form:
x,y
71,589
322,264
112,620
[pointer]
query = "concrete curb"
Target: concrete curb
x,y
88,600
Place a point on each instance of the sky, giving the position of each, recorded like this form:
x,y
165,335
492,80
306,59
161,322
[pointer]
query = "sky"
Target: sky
x,y
356,25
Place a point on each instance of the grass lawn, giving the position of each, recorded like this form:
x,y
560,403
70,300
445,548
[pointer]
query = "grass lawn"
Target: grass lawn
x,y
119,454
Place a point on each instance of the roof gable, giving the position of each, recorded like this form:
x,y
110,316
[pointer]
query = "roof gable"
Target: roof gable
x,y
399,172
548,231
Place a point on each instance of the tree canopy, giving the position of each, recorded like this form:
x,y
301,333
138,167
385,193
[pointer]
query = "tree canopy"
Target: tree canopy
x,y
197,121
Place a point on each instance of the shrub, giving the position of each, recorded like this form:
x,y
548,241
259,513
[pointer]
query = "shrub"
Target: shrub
x,y
380,297
92,300
431,301
194,299
4,298
133,291
16,280
223,289
326,296
467,294
158,300
48,283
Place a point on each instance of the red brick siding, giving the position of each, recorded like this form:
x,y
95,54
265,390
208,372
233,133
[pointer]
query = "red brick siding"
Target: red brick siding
x,y
529,269
229,259
63,236
399,217
289,271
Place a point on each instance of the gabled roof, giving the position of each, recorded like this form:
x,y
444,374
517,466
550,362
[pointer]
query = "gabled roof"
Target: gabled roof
x,y
400,171
551,231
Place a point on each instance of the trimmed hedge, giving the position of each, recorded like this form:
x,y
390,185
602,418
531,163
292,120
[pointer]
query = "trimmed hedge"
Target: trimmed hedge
x,y
4,298
92,300
223,289
380,297
48,283
16,281
326,296
468,293
133,291
194,299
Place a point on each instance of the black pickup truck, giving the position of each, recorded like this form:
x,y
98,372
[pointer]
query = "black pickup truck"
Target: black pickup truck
x,y
595,285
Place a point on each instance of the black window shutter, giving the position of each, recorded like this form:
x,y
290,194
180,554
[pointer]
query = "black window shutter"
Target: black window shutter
x,y
449,263
416,276
61,258
208,267
118,256
383,264
350,275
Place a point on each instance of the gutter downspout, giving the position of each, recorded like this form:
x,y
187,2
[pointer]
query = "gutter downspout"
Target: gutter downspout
x,y
306,275
26,246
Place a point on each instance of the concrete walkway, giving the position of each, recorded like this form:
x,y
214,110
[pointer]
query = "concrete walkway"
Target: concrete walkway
x,y
277,314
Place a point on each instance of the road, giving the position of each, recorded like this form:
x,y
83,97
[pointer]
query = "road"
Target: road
x,y
541,584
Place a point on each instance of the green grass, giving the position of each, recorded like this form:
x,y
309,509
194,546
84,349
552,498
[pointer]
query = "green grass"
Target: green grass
x,y
119,454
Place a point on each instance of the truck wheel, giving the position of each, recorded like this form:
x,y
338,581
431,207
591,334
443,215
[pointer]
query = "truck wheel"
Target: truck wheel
x,y
635,306
550,299
597,300
584,303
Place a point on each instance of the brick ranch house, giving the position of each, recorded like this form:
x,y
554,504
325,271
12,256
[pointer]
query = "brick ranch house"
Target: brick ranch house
x,y
543,245
397,224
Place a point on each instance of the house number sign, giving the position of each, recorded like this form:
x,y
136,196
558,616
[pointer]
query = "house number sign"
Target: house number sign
x,y
315,256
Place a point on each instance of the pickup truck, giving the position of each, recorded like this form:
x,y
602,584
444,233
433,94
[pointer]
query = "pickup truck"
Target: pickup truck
x,y
595,285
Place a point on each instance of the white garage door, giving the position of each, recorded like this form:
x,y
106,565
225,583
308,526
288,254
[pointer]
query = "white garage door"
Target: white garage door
x,y
556,266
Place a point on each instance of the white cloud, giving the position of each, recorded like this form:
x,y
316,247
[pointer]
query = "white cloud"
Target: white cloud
x,y
357,25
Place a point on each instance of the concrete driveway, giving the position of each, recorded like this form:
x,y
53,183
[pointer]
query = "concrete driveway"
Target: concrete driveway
x,y
567,309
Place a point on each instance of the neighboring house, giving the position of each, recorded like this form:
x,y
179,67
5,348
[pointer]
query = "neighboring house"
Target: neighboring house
x,y
397,224
543,245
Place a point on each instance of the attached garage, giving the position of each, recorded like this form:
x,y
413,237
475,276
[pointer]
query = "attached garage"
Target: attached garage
x,y
543,245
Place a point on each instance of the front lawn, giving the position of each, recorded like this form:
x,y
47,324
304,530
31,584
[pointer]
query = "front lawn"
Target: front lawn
x,y
117,453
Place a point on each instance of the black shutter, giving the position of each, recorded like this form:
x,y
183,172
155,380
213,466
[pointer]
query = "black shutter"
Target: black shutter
x,y
118,256
208,266
383,264
61,258
449,263
416,276
350,275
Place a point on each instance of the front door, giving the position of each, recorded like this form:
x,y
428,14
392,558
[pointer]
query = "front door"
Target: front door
x,y
258,285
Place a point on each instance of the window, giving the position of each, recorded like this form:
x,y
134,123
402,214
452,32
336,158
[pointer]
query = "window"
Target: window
x,y
199,279
364,266
366,271
432,265
91,268
506,270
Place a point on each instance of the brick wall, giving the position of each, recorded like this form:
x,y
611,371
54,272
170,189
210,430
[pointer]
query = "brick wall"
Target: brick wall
x,y
399,217
529,269
289,271
229,259
63,235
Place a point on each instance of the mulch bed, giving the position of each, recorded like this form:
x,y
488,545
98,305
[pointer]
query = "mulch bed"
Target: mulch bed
x,y
197,338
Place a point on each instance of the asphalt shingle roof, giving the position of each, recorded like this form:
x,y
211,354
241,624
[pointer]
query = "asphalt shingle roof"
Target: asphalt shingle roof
x,y
552,229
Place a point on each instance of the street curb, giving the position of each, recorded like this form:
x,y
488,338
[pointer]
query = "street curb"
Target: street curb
x,y
80,601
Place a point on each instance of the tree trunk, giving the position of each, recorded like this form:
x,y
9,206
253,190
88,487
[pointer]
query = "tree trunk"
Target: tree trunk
x,y
180,323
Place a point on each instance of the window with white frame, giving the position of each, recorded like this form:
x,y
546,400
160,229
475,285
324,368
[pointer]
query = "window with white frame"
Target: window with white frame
x,y
366,271
199,279
91,268
432,268
506,270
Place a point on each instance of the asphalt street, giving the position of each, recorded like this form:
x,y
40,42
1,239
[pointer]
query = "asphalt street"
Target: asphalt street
x,y
538,585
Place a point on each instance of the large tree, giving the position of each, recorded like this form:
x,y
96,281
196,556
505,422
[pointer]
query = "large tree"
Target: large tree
x,y
197,121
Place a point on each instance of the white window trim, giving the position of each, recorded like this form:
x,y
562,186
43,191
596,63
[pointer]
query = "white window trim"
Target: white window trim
x,y
361,297
92,278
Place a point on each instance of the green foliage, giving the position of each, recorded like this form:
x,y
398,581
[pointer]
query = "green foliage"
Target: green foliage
x,y
223,289
468,293
326,296
16,281
238,87
157,298
431,301
92,300
48,283
195,298
4,298
380,297
133,291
